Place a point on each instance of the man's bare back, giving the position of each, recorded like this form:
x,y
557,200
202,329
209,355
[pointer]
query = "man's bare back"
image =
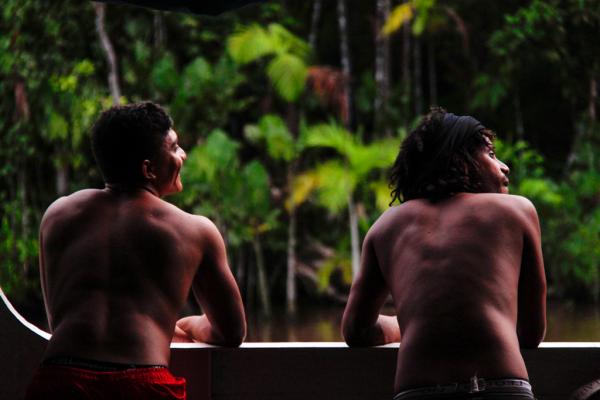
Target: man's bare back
x,y
117,266
461,259
453,269
117,269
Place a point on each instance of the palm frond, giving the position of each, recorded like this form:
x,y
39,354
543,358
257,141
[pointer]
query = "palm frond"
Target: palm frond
x,y
288,74
250,44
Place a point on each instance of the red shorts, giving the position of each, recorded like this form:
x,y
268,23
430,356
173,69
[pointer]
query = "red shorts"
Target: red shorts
x,y
67,383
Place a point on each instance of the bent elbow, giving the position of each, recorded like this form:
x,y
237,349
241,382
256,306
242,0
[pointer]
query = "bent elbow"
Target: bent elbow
x,y
355,341
531,340
352,336
234,337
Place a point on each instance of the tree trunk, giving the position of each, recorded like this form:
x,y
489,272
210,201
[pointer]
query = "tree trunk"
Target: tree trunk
x,y
418,84
432,72
354,236
592,99
291,260
111,58
592,119
347,116
580,130
382,68
263,287
293,123
314,24
159,31
406,78
62,179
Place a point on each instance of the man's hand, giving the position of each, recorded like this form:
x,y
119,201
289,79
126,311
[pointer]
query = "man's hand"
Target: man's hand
x,y
180,336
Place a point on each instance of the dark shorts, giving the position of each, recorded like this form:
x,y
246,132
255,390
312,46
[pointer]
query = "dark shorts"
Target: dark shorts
x,y
88,379
493,389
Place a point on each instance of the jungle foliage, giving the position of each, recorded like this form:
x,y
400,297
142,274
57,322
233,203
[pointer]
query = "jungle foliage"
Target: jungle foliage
x,y
288,142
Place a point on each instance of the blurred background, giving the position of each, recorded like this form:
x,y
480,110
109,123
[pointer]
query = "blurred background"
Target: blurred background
x,y
291,112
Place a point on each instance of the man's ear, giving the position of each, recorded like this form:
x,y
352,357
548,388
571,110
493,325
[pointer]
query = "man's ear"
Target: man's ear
x,y
148,170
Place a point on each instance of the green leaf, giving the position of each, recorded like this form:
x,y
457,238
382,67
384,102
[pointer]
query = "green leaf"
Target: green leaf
x,y
302,187
400,15
335,184
250,44
256,193
288,74
286,42
329,135
58,128
84,68
196,76
273,130
164,74
381,190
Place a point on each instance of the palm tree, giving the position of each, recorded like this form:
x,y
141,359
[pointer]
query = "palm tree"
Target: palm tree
x,y
336,181
288,71
281,145
215,181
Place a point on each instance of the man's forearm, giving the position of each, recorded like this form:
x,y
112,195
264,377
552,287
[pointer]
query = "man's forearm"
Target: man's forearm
x,y
385,330
200,329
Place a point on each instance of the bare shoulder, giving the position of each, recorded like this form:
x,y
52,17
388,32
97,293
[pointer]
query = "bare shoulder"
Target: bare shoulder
x,y
67,205
206,229
395,217
518,205
204,224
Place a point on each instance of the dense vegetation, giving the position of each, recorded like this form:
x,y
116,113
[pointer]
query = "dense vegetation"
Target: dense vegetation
x,y
291,114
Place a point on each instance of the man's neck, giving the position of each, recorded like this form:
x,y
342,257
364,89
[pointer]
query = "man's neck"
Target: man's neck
x,y
131,188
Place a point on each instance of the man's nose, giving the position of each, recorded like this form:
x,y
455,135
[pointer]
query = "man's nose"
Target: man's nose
x,y
183,155
504,168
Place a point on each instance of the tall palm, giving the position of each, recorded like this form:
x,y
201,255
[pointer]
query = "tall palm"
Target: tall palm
x,y
215,181
336,181
288,71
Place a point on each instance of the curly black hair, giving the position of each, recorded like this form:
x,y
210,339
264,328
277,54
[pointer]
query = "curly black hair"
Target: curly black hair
x,y
437,159
126,135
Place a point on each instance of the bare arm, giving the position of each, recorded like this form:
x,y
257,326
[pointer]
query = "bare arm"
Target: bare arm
x,y
362,325
43,279
47,220
531,322
224,320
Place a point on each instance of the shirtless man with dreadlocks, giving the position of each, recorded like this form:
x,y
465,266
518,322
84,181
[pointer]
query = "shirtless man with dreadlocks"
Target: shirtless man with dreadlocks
x,y
462,260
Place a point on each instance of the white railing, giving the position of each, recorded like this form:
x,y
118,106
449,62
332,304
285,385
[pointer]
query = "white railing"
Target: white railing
x,y
291,371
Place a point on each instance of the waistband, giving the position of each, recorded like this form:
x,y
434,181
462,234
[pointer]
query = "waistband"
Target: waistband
x,y
476,385
95,365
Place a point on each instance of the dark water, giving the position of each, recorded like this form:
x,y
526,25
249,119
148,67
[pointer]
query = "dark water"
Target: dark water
x,y
566,323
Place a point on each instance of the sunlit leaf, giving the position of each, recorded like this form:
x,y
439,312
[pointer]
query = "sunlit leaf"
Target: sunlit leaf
x,y
288,74
335,184
58,128
302,187
329,135
250,44
274,132
287,42
400,15
382,191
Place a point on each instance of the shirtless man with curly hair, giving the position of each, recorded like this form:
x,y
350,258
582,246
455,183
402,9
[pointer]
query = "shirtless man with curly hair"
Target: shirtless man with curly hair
x,y
462,260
